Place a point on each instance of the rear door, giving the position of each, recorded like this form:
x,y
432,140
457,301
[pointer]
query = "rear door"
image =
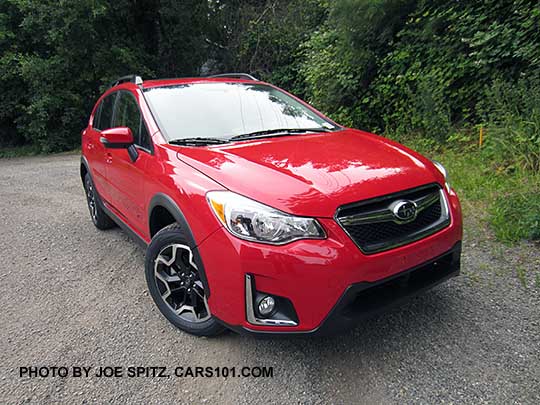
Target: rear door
x,y
95,151
126,171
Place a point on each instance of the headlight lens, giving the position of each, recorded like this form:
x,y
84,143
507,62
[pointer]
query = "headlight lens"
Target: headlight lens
x,y
250,220
443,171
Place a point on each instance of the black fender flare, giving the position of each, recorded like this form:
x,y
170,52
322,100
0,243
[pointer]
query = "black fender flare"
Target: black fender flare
x,y
163,200
84,163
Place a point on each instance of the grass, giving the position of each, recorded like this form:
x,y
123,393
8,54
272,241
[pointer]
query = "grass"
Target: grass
x,y
516,216
27,150
509,201
18,151
522,275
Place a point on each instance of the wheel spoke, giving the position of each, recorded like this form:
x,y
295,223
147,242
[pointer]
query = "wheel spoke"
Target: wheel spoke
x,y
181,289
206,308
167,291
91,199
170,278
186,308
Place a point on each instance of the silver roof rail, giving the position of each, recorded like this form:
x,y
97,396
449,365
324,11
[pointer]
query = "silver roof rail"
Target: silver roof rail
x,y
128,79
235,76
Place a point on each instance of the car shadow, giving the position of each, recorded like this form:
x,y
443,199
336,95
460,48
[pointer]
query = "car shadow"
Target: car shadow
x,y
432,318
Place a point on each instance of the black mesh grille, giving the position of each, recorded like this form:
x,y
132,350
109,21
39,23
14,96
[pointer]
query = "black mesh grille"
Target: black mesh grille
x,y
379,236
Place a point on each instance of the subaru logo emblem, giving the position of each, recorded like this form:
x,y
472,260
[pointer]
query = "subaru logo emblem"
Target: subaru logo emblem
x,y
404,210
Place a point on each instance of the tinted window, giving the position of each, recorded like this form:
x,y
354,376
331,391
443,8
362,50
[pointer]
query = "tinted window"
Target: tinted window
x,y
95,123
103,117
127,114
222,110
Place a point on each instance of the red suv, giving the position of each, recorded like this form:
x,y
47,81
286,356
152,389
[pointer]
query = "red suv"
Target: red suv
x,y
258,213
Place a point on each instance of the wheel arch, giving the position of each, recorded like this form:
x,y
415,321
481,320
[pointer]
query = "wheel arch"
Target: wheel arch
x,y
84,169
163,205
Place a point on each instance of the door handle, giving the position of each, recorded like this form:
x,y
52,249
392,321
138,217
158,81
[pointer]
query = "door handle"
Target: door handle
x,y
108,159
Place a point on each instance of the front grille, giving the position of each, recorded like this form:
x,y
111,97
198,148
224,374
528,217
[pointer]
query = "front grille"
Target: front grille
x,y
374,227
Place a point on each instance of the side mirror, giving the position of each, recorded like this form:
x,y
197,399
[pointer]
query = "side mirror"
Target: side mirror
x,y
117,138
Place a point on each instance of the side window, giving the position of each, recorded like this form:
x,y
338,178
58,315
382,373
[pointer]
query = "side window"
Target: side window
x,y
103,117
127,114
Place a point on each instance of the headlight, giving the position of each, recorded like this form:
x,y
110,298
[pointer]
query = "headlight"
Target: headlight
x,y
443,171
250,220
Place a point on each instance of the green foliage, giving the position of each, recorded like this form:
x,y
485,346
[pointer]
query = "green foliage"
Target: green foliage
x,y
56,57
264,37
391,66
513,115
341,58
13,152
330,80
418,66
516,216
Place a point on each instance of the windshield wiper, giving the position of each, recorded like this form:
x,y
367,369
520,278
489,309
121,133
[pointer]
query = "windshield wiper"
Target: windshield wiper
x,y
199,141
277,132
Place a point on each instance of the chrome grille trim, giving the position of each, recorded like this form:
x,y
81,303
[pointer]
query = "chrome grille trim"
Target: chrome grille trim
x,y
386,214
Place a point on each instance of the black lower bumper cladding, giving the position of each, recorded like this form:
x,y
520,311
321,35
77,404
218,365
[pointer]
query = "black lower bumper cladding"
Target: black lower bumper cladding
x,y
362,300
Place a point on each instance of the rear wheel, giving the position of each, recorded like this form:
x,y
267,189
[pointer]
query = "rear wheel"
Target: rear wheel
x,y
175,284
100,219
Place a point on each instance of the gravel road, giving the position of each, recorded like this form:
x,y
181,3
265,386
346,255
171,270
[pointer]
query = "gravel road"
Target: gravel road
x,y
71,295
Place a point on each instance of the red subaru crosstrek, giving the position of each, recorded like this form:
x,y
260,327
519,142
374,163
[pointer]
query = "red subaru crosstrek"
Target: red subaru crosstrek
x,y
258,213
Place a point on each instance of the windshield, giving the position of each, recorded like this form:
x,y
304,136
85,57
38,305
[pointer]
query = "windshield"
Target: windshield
x,y
223,110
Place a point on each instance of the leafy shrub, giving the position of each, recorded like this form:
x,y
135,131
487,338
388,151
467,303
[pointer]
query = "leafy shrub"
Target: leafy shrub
x,y
395,66
56,57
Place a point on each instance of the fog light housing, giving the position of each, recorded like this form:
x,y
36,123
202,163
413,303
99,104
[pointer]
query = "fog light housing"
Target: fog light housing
x,y
267,310
266,305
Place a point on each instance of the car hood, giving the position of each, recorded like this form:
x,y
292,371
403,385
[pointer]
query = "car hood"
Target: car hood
x,y
313,174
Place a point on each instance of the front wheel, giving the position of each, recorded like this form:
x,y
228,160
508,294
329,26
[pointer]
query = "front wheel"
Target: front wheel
x,y
175,284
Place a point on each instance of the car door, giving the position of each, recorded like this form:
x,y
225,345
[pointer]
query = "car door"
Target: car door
x,y
94,149
126,168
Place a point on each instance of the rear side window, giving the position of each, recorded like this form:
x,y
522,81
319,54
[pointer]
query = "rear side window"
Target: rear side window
x,y
104,114
127,114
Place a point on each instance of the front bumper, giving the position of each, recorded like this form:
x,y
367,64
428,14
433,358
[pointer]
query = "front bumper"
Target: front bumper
x,y
364,299
331,283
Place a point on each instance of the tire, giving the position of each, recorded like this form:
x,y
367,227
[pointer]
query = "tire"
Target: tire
x,y
99,217
174,283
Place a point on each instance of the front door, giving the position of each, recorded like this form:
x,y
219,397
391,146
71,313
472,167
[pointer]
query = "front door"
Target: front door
x,y
126,171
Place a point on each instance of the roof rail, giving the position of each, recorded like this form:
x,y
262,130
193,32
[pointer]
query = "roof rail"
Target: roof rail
x,y
235,76
128,79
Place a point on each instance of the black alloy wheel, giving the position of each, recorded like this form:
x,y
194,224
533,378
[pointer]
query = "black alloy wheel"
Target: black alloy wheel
x,y
175,283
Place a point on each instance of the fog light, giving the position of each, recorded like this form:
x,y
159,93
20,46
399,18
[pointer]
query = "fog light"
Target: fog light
x,y
266,306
